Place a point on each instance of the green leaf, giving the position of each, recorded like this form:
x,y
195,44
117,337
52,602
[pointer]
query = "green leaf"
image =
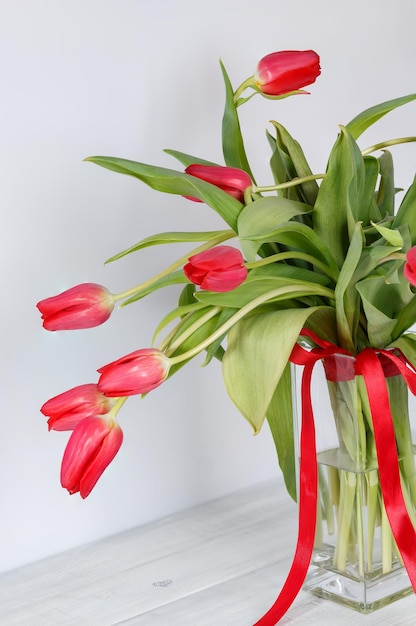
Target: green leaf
x,y
300,237
323,323
391,235
258,286
232,139
215,350
383,303
168,237
280,420
371,257
297,165
171,181
262,216
407,212
405,318
188,159
187,295
290,272
174,278
364,120
386,192
371,167
339,203
258,350
406,344
346,298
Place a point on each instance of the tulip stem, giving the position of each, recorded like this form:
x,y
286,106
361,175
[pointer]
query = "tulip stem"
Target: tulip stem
x,y
247,83
117,406
290,183
228,234
281,256
191,329
224,328
386,144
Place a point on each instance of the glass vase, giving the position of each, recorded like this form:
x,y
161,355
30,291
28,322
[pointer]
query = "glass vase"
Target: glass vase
x,y
355,560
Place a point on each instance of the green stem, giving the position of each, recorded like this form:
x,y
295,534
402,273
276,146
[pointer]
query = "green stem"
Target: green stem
x,y
281,256
326,506
386,542
191,329
117,406
347,497
359,524
249,82
274,293
372,513
291,183
386,144
176,265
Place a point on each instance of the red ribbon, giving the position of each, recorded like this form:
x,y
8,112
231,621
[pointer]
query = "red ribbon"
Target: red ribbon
x,y
369,365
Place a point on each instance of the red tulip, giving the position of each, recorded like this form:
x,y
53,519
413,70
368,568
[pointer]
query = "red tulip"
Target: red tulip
x,y
282,72
67,409
409,268
91,447
230,179
137,372
217,269
83,306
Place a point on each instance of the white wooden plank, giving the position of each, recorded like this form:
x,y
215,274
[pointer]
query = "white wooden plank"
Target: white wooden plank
x,y
217,564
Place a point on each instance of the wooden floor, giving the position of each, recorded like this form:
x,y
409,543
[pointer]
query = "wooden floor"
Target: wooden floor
x,y
219,564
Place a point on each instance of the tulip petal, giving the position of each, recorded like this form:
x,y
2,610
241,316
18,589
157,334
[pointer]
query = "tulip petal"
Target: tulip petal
x,y
139,372
83,306
67,409
224,281
102,458
80,449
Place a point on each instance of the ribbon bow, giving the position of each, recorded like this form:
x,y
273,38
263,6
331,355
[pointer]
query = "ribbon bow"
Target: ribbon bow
x,y
368,365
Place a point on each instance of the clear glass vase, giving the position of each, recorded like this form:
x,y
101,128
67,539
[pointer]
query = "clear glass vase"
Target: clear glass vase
x,y
355,560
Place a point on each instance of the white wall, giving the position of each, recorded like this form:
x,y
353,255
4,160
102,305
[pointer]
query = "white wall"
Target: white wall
x,y
129,78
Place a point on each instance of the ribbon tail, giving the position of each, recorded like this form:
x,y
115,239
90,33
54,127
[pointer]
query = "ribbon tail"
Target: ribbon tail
x,y
308,487
388,463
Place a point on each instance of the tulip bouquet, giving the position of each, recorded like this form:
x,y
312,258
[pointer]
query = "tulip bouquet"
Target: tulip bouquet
x,y
323,257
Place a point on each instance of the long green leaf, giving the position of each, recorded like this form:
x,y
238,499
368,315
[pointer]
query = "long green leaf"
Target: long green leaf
x,y
339,203
258,350
188,159
168,237
257,286
300,237
407,344
280,420
172,181
232,139
386,192
300,167
264,215
407,212
346,297
364,120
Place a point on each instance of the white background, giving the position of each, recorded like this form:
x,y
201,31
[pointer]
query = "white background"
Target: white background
x,y
129,78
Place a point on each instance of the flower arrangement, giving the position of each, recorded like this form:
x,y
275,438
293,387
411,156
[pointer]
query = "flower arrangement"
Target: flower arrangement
x,y
326,265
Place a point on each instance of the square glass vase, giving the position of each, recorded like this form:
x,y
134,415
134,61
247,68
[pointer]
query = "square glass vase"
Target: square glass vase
x,y
355,560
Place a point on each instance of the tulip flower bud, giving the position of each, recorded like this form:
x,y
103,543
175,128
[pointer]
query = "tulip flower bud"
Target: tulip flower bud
x,y
84,306
136,373
217,269
230,179
409,268
67,409
282,72
90,449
